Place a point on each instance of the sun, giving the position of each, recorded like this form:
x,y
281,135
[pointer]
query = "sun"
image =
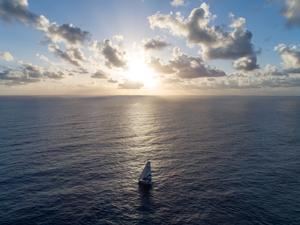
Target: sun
x,y
139,71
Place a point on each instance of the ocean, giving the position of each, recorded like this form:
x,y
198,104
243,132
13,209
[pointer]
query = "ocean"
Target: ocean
x,y
215,160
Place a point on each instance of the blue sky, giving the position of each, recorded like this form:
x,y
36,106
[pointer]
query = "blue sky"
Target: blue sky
x,y
267,20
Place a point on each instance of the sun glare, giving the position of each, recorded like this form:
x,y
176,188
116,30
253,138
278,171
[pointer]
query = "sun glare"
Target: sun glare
x,y
138,71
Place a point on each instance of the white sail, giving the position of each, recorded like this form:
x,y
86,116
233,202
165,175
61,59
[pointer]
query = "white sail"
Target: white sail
x,y
146,174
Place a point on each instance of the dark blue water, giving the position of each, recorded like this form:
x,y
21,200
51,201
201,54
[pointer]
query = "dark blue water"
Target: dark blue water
x,y
216,160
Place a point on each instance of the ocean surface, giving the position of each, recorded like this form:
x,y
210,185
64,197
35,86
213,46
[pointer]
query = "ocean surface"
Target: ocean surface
x,y
215,160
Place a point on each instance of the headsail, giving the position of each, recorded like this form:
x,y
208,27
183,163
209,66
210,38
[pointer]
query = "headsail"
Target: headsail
x,y
146,174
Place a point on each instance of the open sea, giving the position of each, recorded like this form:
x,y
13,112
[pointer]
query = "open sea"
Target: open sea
x,y
215,160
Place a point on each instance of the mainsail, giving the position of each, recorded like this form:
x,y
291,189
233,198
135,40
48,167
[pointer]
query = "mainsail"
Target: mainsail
x,y
146,174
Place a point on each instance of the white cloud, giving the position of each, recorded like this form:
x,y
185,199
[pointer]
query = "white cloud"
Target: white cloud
x,y
290,56
6,56
176,3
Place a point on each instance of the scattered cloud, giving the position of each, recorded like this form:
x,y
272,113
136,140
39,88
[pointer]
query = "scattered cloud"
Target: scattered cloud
x,y
28,73
232,42
71,36
15,77
215,41
72,55
67,33
17,11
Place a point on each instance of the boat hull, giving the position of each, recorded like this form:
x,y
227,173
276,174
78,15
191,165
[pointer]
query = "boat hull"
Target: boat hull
x,y
145,183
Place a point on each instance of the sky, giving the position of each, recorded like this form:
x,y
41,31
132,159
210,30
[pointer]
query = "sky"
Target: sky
x,y
155,47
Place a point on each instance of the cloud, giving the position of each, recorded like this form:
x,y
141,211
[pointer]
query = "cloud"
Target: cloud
x,y
290,56
128,84
159,67
32,71
114,56
260,80
186,67
17,10
99,75
246,63
271,70
6,56
28,73
112,81
14,77
155,44
253,80
292,12
54,75
71,55
215,41
176,3
73,37
67,33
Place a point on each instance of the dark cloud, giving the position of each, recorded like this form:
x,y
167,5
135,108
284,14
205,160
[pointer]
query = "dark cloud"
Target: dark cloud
x,y
131,85
99,75
28,73
72,55
155,44
68,33
215,41
14,77
17,11
114,56
236,45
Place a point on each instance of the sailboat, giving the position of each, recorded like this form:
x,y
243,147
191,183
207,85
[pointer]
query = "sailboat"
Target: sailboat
x,y
145,177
